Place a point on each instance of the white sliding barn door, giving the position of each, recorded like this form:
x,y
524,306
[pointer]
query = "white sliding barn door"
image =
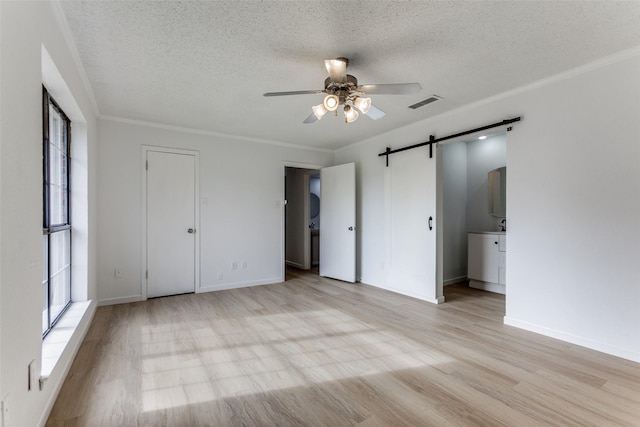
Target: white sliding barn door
x,y
171,223
338,222
411,193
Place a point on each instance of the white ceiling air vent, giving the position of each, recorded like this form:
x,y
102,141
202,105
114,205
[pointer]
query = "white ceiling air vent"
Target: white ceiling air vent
x,y
429,100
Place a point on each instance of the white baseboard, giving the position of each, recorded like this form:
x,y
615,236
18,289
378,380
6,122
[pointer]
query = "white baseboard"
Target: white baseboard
x,y
574,339
295,264
438,300
121,300
204,288
237,285
488,286
454,280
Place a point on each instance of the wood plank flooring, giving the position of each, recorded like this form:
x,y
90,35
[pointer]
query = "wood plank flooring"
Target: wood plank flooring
x,y
318,352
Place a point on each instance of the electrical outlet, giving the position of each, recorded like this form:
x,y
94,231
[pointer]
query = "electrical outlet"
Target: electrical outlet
x,y
234,265
117,273
244,265
220,275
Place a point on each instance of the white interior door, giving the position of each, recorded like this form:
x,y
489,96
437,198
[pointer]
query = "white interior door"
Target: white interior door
x,y
338,222
171,221
411,197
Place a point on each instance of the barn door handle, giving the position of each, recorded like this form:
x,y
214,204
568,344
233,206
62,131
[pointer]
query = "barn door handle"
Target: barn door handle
x,y
430,223
191,231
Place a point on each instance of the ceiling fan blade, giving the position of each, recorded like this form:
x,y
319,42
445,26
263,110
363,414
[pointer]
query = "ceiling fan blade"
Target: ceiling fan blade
x,y
375,113
337,69
391,89
312,118
294,92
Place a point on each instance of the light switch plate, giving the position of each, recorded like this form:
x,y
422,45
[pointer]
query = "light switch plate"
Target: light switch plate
x,y
5,411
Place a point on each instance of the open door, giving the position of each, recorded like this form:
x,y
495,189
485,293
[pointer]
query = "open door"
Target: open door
x,y
338,219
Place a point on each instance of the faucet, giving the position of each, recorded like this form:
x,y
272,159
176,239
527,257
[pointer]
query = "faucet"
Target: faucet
x,y
503,225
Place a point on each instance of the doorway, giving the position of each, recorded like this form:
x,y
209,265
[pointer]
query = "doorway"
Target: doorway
x,y
302,220
171,219
337,238
465,198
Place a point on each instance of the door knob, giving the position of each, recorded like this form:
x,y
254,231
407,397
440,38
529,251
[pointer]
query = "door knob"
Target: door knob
x,y
191,231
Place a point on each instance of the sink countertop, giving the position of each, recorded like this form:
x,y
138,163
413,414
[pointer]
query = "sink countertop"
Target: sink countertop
x,y
488,232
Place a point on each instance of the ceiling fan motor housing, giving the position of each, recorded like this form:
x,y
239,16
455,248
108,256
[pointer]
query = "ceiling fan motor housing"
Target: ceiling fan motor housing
x,y
341,90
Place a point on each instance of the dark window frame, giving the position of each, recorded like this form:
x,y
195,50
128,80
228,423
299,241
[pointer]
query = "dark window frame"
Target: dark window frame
x,y
49,229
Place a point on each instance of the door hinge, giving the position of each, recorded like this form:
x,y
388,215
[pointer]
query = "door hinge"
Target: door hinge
x,y
146,274
146,165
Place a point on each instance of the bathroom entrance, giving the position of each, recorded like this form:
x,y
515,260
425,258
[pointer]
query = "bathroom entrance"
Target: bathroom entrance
x,y
302,218
321,227
474,212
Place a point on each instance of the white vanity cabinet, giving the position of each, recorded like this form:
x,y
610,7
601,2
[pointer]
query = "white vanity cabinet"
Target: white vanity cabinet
x,y
486,265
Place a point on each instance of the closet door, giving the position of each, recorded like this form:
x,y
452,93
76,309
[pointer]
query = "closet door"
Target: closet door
x,y
171,223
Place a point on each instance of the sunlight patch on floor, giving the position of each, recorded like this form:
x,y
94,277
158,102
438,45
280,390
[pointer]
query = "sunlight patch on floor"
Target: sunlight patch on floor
x,y
193,363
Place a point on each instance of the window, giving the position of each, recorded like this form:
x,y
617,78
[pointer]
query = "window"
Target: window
x,y
56,235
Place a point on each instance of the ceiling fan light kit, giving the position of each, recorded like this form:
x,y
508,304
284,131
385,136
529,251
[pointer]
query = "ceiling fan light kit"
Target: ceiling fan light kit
x,y
319,111
350,114
343,89
331,102
362,104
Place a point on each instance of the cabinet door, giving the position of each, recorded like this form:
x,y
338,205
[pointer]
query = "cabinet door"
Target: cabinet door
x,y
502,253
502,268
502,243
483,257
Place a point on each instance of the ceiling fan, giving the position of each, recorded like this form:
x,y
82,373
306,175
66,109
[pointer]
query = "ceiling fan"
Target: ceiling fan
x,y
343,89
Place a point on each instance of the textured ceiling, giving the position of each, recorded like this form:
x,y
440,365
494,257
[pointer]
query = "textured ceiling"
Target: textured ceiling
x,y
205,64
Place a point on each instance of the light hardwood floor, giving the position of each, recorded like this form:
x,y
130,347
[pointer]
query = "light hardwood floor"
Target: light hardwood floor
x,y
318,352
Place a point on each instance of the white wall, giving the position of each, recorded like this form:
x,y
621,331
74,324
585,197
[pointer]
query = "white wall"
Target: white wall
x,y
243,182
454,222
482,157
25,28
573,201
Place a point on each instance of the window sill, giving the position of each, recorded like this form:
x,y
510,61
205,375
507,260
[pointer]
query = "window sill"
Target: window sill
x,y
71,328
